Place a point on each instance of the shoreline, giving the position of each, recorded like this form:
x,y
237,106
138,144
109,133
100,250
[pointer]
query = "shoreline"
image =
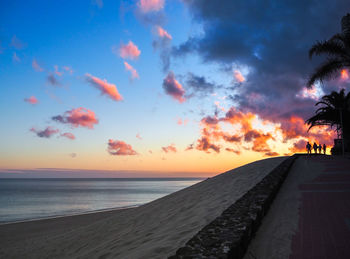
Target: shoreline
x,y
154,230
71,215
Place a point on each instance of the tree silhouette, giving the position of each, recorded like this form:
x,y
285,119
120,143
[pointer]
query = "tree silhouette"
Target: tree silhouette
x,y
337,50
335,112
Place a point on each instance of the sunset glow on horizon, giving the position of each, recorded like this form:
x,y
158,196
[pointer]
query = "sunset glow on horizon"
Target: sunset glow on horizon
x,y
162,88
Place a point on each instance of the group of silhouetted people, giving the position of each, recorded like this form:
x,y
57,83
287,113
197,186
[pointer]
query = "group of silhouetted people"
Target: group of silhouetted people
x,y
316,148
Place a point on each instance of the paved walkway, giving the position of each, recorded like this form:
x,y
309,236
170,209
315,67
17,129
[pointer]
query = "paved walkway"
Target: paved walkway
x,y
324,213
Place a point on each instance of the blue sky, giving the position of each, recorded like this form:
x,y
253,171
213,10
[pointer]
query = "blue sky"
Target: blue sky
x,y
69,39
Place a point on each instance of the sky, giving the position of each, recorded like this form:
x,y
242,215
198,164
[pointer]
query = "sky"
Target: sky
x,y
159,87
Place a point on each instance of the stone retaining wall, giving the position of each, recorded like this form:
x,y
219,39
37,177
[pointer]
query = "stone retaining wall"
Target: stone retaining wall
x,y
229,235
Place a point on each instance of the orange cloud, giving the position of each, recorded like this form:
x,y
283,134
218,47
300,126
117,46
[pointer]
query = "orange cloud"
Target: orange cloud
x,y
31,100
163,33
244,131
78,117
233,151
238,76
36,66
105,87
204,144
150,5
120,148
132,70
173,88
344,74
170,148
129,51
68,135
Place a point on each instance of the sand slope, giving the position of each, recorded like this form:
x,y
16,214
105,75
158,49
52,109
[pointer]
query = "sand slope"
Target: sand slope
x,y
154,230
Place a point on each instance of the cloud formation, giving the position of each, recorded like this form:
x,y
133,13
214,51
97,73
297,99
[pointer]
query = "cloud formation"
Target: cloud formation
x,y
170,148
78,117
199,85
146,6
36,66
272,43
173,88
31,100
68,135
46,133
128,51
52,80
162,33
132,70
120,148
106,88
238,76
244,134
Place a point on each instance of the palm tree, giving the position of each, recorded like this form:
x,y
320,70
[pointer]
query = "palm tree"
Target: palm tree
x,y
337,50
335,112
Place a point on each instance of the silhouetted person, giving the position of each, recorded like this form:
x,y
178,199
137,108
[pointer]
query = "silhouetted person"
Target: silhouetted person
x,y
320,148
315,147
308,147
324,148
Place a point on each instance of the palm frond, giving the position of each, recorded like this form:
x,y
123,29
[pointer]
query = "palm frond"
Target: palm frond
x,y
326,70
329,47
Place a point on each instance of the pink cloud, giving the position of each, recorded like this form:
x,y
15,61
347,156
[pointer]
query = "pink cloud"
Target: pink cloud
x,y
68,69
57,72
189,147
163,33
173,88
68,135
170,148
138,136
36,66
31,100
150,5
120,148
182,122
132,70
238,76
129,51
78,117
46,133
105,87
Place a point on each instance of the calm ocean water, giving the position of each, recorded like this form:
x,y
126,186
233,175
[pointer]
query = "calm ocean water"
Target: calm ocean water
x,y
25,199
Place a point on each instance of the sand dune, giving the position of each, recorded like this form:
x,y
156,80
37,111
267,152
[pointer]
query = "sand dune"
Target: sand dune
x,y
154,230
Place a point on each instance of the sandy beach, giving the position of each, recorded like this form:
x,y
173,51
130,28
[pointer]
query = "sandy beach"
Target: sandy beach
x,y
154,230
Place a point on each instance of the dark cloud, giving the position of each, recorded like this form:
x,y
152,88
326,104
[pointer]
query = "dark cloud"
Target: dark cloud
x,y
52,80
173,88
271,39
46,133
198,85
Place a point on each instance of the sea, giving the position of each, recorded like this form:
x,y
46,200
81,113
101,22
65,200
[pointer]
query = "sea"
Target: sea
x,y
31,199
